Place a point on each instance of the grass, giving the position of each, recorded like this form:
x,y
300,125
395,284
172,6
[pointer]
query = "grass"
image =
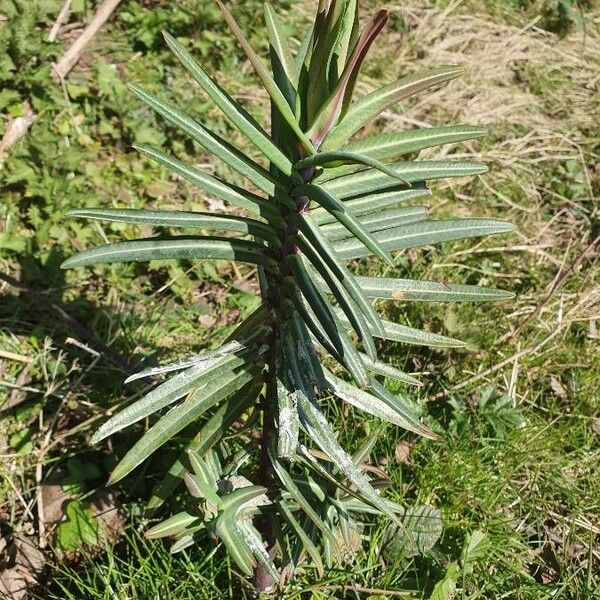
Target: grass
x,y
520,465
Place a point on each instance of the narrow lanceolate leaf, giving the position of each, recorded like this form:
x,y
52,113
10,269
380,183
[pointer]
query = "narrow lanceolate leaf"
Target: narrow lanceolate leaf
x,y
172,390
173,526
325,249
347,34
227,530
181,219
191,248
257,546
287,421
306,504
341,214
387,370
177,419
352,312
371,180
210,433
234,112
365,109
210,141
267,80
423,234
371,203
402,403
317,427
304,538
332,109
395,413
279,43
391,145
211,185
336,159
428,291
409,335
378,221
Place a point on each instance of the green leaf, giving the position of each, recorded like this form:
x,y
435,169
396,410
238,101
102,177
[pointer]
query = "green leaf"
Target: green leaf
x,y
424,234
182,219
287,421
257,547
378,221
428,291
395,413
177,419
187,248
474,549
279,44
234,112
80,529
335,159
326,251
267,80
244,500
332,109
370,203
365,109
210,433
381,368
331,204
423,524
408,335
213,186
371,180
210,141
392,145
304,538
172,526
237,547
317,427
445,589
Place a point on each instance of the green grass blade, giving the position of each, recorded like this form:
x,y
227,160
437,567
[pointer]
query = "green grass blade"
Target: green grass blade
x,y
341,214
365,109
212,185
267,80
189,248
371,180
428,291
177,419
210,141
181,219
370,204
234,112
425,233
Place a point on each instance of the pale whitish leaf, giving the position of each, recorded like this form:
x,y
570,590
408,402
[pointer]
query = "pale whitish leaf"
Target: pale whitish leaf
x,y
428,291
210,141
257,547
287,418
209,434
177,419
371,203
423,234
174,525
371,180
181,544
212,185
185,248
172,390
365,109
231,109
267,80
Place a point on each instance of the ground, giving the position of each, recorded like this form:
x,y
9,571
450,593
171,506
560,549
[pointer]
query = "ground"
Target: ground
x,y
515,472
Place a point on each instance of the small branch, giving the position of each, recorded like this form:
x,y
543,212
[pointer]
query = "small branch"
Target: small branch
x,y
71,56
62,17
16,130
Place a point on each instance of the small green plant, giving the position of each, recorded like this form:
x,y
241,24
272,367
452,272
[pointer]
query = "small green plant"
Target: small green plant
x,y
286,488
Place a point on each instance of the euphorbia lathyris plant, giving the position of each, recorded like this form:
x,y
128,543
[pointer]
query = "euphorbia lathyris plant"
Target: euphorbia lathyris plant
x,y
323,201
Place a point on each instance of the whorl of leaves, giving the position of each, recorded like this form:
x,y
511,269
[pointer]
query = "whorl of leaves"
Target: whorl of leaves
x,y
319,201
